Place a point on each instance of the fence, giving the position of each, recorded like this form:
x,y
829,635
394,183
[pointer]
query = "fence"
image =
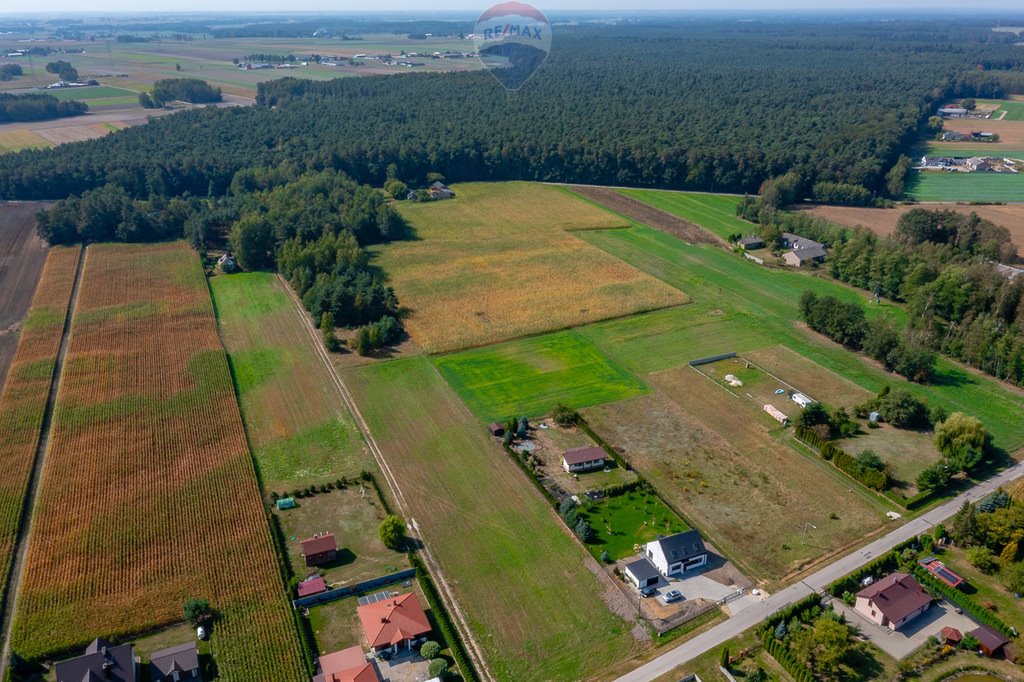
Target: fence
x,y
349,590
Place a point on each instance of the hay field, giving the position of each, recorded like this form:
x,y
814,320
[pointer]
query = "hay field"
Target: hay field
x,y
524,585
883,220
713,459
148,494
498,262
1010,131
300,431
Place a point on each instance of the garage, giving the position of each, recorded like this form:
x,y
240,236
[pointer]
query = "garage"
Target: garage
x,y
642,573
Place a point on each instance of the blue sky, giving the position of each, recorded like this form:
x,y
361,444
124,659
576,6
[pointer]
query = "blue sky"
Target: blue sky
x,y
139,6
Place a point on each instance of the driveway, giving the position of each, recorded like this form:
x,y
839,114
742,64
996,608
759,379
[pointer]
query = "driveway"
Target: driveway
x,y
901,643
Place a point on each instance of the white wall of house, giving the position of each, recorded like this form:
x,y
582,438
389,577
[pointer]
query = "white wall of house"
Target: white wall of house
x,y
866,608
582,466
657,557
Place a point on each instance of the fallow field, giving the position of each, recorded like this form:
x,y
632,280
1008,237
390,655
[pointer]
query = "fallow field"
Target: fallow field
x,y
300,431
503,260
22,255
528,591
148,494
23,401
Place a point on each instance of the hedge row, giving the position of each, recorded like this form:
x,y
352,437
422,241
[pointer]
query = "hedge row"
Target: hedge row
x,y
794,610
969,606
306,638
844,461
519,460
585,428
451,636
367,476
885,564
780,653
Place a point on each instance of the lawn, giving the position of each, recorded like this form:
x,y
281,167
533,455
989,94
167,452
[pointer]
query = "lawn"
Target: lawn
x,y
760,306
941,186
502,260
94,94
907,453
300,430
1014,110
530,376
527,590
714,212
623,521
985,588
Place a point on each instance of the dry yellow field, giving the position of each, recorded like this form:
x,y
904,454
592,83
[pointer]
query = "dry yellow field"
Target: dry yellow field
x,y
499,261
13,139
63,134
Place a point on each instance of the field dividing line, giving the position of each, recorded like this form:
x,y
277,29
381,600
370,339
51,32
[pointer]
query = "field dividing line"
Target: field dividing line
x,y
42,449
453,606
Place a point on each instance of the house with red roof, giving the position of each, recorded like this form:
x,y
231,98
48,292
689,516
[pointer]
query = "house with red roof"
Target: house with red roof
x,y
320,549
393,623
312,585
893,601
347,665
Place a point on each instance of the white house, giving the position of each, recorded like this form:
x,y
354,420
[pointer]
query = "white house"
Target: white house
x,y
677,553
801,400
893,601
583,459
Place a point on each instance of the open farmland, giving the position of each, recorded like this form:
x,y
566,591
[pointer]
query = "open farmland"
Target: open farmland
x,y
1011,132
148,494
530,376
526,588
24,396
300,431
501,260
22,256
945,186
883,221
13,139
713,212
722,466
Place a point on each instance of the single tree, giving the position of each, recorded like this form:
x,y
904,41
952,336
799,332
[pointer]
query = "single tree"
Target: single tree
x,y
430,650
438,668
197,611
392,532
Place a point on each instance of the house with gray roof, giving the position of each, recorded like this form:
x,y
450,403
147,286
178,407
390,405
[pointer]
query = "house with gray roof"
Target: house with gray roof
x,y
101,662
176,664
642,573
677,553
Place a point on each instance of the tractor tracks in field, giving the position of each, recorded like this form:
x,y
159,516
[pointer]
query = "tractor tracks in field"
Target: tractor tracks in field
x,y
475,651
42,448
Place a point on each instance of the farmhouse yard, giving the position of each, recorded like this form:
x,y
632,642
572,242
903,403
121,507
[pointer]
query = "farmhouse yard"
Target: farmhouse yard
x,y
167,506
1010,130
624,521
553,441
503,260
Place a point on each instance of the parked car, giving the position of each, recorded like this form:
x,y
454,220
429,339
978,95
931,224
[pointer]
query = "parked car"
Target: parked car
x,y
672,596
649,591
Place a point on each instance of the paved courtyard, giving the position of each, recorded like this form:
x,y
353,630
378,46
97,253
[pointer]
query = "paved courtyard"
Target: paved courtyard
x,y
408,667
901,643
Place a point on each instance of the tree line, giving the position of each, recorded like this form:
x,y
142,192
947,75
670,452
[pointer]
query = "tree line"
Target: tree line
x,y
37,107
191,90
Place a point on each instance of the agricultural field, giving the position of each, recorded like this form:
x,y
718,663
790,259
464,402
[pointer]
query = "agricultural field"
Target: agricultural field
x,y
97,95
944,186
733,476
1006,110
24,395
300,431
882,221
530,376
13,139
1011,132
714,212
166,505
503,260
22,255
527,590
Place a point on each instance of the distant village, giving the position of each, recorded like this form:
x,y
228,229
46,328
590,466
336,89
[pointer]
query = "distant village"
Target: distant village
x,y
408,60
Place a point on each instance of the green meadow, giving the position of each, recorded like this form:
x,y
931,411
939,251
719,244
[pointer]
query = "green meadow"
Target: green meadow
x,y
991,187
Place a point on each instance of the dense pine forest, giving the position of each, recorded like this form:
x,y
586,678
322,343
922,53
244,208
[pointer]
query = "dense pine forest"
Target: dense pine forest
x,y
709,105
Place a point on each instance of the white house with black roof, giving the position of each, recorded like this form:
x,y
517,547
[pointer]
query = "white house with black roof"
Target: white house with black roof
x,y
677,553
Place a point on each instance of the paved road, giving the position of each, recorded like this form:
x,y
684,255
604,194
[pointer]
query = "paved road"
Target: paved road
x,y
816,582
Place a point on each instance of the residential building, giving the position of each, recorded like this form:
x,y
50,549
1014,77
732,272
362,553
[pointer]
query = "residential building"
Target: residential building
x,y
893,601
642,573
677,553
586,458
176,664
394,623
320,549
991,643
347,665
751,243
101,661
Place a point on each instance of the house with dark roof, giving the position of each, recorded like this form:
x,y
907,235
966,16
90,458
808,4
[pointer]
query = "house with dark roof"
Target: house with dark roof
x,y
642,573
496,430
751,243
102,662
320,549
586,458
347,665
893,601
438,190
677,553
801,250
176,664
394,623
991,643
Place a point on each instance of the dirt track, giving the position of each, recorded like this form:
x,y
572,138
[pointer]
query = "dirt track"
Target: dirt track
x,y
648,215
22,256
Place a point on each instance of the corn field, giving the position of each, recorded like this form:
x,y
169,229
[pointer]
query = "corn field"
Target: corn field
x,y
148,495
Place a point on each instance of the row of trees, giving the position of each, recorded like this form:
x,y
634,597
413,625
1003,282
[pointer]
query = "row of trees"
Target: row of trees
x,y
37,107
191,90
63,70
9,72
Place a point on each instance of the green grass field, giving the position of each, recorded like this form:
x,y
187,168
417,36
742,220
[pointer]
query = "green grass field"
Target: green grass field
x,y
714,212
1014,110
93,94
967,149
626,520
300,431
530,376
520,579
939,186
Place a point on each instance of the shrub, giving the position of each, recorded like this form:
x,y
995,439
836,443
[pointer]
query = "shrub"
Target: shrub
x,y
982,559
438,668
430,650
564,415
392,532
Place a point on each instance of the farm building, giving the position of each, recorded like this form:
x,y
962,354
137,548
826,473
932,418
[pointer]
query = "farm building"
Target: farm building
x,y
991,643
751,243
347,665
314,584
320,549
394,623
942,572
952,112
802,251
978,165
801,400
496,429
776,414
893,601
101,661
586,458
677,553
642,573
438,190
176,664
